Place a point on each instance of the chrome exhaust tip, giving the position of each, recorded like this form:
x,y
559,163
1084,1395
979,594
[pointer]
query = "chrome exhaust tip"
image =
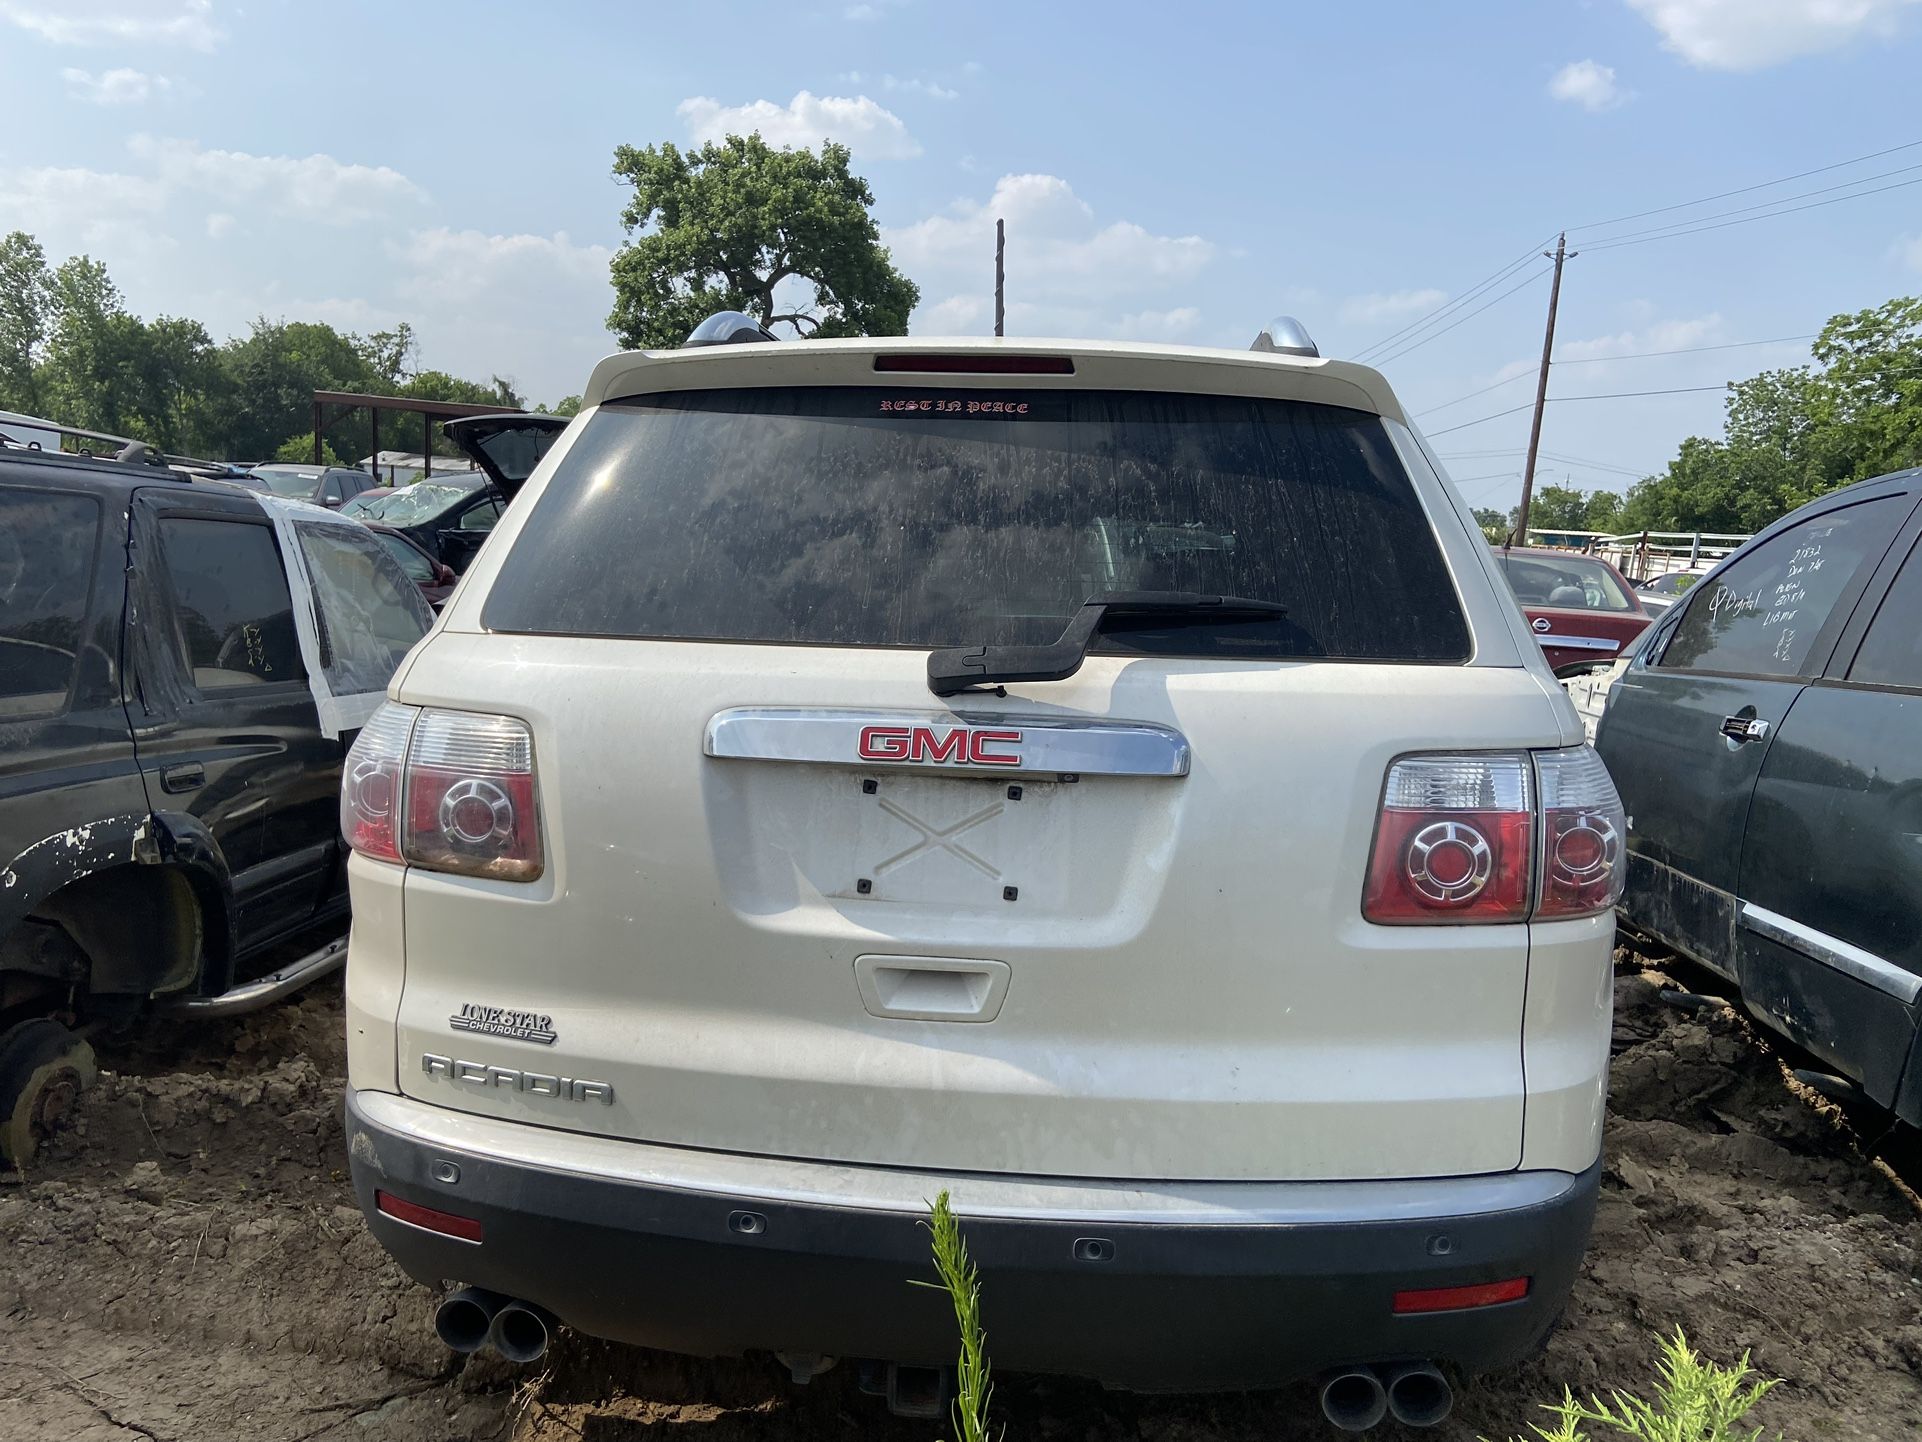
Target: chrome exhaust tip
x,y
521,1331
1418,1394
464,1318
1354,1399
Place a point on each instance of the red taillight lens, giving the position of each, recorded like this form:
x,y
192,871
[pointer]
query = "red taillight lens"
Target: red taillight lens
x,y
449,790
1582,830
1455,1299
415,1215
470,804
1454,842
370,783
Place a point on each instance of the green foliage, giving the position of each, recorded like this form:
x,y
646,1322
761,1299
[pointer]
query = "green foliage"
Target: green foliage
x,y
24,306
973,1390
71,351
720,228
1695,1401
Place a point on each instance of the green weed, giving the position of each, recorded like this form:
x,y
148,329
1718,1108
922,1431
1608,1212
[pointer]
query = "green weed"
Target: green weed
x,y
963,1285
1695,1401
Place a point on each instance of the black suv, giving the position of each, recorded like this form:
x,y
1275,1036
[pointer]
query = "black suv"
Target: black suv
x,y
182,667
1767,742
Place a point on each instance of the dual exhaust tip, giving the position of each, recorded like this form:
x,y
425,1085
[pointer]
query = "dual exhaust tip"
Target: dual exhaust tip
x,y
1415,1394
472,1318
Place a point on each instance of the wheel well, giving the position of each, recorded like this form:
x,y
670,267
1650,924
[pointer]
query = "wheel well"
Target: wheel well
x,y
141,928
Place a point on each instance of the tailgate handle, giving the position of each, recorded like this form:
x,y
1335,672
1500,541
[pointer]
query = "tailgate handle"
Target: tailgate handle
x,y
931,988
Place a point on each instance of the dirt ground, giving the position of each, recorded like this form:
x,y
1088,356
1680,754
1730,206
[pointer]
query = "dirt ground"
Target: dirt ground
x,y
188,1266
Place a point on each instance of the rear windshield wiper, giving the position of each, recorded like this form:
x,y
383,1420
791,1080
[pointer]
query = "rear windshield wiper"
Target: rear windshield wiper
x,y
957,668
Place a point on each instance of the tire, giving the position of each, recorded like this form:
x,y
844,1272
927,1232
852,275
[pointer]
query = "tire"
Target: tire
x,y
43,1069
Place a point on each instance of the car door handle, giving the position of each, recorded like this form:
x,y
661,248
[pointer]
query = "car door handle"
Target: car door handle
x,y
184,777
1740,729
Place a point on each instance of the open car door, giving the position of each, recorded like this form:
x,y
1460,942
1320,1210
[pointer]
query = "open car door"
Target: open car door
x,y
506,447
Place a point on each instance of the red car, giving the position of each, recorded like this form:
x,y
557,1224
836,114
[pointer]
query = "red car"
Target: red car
x,y
1582,609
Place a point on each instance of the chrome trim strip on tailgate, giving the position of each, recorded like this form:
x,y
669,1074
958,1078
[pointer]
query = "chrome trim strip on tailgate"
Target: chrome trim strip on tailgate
x,y
1865,966
1577,643
947,741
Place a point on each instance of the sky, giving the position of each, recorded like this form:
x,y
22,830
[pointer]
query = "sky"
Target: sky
x,y
1167,173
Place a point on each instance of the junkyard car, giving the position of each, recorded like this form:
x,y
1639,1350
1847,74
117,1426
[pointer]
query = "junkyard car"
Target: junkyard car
x,y
1108,783
328,486
1768,745
182,665
1580,607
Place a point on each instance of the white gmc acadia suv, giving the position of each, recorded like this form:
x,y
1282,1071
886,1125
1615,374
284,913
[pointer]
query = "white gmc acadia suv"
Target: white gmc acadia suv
x,y
1109,783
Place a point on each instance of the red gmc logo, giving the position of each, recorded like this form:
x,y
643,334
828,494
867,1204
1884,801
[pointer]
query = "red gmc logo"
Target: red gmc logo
x,y
959,747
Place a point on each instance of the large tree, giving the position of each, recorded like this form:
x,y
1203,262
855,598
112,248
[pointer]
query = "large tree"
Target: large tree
x,y
785,235
24,306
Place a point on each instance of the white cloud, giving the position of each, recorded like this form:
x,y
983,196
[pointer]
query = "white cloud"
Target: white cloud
x,y
1162,325
1663,335
115,87
1908,250
1754,34
117,22
1590,85
309,187
472,261
1090,278
867,128
914,85
865,10
1379,306
219,225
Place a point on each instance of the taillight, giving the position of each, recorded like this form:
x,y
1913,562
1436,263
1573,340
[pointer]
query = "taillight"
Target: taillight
x,y
1582,828
1454,842
1472,839
370,783
447,790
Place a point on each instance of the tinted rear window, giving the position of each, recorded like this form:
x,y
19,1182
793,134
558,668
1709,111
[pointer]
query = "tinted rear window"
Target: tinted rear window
x,y
47,545
884,517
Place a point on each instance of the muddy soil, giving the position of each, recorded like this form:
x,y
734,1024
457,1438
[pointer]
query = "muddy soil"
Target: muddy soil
x,y
187,1265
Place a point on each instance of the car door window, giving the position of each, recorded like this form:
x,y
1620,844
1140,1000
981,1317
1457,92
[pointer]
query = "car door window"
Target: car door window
x,y
47,547
1891,652
419,569
1761,615
481,517
368,613
233,614
331,491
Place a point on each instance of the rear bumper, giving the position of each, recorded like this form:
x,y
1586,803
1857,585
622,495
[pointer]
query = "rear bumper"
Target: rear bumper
x,y
1198,1286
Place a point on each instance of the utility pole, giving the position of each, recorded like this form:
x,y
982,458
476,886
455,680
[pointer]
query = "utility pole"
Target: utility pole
x,y
1520,536
1000,274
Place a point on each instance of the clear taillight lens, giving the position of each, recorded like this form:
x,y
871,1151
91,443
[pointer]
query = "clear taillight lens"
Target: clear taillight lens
x,y
1454,842
470,805
448,790
370,782
1583,827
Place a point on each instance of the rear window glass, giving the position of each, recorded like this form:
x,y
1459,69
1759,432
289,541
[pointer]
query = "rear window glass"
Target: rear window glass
x,y
857,516
1570,581
233,613
47,545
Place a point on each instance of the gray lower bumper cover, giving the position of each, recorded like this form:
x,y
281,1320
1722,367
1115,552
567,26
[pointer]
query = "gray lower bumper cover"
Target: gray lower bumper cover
x,y
1235,1301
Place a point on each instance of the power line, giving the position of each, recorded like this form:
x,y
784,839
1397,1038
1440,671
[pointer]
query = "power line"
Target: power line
x,y
1453,303
1685,350
1751,219
1555,400
1624,395
1602,359
1768,205
1747,189
1437,334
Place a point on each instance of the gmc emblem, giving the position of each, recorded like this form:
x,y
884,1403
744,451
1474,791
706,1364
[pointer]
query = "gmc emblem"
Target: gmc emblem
x,y
962,746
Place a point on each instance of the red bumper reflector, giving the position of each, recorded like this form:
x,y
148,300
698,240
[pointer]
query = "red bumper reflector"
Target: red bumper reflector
x,y
1455,1299
979,365
446,1223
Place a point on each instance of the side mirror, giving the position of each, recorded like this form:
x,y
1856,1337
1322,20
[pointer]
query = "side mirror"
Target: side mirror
x,y
444,574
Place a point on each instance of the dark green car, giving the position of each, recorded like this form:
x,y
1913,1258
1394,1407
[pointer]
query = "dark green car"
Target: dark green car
x,y
1767,743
